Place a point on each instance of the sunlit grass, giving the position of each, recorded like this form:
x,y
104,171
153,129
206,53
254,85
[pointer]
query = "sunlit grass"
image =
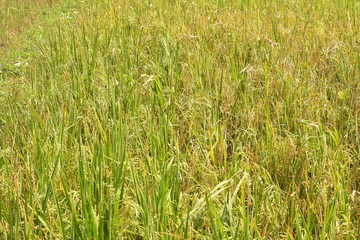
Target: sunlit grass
x,y
165,119
16,15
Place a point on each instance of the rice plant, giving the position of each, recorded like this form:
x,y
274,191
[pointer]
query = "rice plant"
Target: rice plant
x,y
179,119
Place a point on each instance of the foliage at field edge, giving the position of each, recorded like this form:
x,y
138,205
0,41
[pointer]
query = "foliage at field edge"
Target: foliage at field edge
x,y
205,119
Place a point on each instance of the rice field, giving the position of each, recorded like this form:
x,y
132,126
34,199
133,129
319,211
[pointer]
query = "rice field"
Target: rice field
x,y
179,119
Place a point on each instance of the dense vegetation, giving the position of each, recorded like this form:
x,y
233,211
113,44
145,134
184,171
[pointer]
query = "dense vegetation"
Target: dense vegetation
x,y
179,119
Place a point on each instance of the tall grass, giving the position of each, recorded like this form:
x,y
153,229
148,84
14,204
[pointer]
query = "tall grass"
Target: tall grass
x,y
16,15
204,119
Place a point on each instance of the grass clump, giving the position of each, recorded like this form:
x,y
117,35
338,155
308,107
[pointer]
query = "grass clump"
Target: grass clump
x,y
184,120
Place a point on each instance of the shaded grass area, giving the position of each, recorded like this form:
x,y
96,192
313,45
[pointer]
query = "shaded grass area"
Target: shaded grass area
x,y
184,120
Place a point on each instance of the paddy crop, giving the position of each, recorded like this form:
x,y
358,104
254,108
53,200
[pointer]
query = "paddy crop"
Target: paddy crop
x,y
205,119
